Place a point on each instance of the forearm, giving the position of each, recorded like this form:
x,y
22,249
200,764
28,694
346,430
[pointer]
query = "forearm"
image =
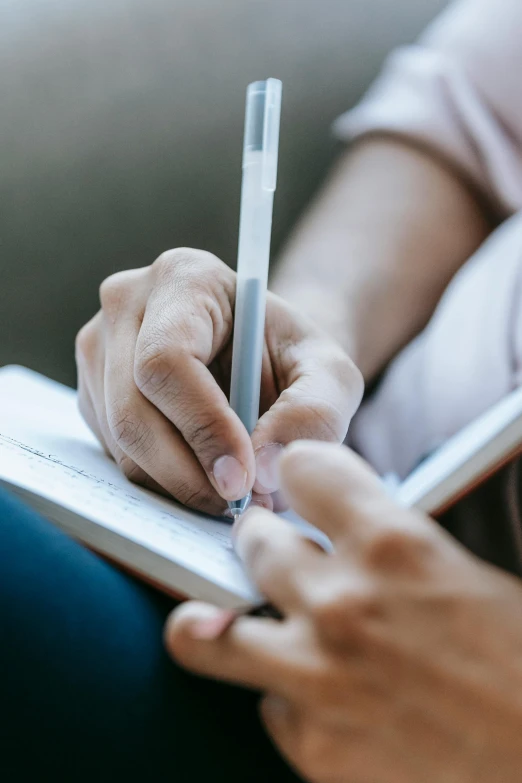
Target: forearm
x,y
373,255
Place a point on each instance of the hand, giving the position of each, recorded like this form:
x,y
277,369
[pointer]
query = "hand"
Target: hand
x,y
399,658
154,368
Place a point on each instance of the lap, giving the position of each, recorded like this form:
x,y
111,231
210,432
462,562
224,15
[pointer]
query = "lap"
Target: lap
x,y
86,685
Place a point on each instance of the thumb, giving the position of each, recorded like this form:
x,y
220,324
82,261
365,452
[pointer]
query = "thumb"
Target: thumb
x,y
325,391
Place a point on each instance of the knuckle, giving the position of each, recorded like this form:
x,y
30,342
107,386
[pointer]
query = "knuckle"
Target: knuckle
x,y
114,293
346,616
129,431
334,421
85,344
351,378
399,550
171,261
315,417
200,498
185,259
204,287
202,433
130,469
205,275
342,367
153,367
329,611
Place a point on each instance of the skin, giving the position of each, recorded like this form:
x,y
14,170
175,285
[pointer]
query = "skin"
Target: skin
x,y
378,246
153,370
154,363
399,657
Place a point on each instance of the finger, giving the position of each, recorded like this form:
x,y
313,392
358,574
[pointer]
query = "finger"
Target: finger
x,y
277,556
336,491
279,502
254,652
286,725
262,501
333,489
127,465
322,389
86,408
144,443
90,352
187,321
90,362
148,439
323,751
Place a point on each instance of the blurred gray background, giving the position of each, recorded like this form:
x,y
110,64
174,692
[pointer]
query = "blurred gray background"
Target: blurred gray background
x,y
121,131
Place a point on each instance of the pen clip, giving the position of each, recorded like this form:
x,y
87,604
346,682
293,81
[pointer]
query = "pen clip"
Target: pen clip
x,y
261,140
271,121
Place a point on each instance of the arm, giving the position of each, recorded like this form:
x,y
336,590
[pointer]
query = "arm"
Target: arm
x,y
375,252
439,150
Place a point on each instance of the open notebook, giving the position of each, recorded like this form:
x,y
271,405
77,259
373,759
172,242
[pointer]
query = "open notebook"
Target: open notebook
x,y
49,457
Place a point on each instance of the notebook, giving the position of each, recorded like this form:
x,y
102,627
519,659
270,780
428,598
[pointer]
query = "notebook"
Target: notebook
x,y
466,459
51,460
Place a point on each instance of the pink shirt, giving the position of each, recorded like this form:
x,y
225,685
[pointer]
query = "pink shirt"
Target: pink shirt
x,y
459,91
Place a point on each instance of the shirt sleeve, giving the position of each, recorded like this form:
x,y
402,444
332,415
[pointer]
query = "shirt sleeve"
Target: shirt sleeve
x,y
458,90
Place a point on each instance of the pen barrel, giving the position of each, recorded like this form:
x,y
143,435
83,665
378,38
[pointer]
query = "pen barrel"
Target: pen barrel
x,y
252,275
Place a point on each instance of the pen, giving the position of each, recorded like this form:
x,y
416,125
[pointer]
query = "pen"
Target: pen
x,y
260,149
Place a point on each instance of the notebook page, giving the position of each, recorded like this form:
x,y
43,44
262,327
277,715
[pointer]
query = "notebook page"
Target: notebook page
x,y
45,447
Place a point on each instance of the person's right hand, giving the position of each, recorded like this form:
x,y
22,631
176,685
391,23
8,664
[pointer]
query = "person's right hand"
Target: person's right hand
x,y
153,376
398,656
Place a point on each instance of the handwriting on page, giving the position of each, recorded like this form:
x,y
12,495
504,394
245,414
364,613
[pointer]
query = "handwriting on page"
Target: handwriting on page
x,y
120,506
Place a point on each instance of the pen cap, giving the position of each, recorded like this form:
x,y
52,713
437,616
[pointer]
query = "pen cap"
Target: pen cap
x,y
263,111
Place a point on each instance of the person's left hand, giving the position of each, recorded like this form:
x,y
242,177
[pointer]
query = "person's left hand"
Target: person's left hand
x,y
399,658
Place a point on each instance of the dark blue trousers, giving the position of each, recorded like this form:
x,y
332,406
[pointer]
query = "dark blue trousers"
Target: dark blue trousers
x,y
87,691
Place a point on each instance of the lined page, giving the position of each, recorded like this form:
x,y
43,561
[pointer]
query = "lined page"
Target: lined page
x,y
46,448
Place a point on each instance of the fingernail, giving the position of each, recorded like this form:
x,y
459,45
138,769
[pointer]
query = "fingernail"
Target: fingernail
x,y
213,625
230,477
267,469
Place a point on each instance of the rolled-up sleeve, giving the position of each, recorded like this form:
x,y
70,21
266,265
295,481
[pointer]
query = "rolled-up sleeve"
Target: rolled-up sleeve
x,y
458,91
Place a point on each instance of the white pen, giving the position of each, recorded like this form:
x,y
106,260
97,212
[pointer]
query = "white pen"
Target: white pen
x,y
260,149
